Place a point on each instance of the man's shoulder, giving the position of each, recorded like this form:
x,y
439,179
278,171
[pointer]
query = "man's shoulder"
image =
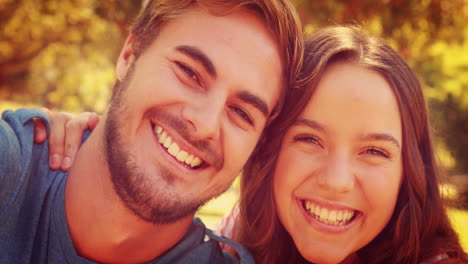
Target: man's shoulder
x,y
16,144
32,217
17,134
243,254
18,126
23,115
201,245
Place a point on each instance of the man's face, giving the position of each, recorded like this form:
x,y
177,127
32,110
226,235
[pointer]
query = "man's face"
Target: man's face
x,y
189,111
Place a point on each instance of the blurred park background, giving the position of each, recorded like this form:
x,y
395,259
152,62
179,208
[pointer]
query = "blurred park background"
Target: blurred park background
x,y
61,54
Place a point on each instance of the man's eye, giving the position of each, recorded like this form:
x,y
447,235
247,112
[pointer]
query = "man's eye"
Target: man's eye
x,y
188,71
242,114
377,152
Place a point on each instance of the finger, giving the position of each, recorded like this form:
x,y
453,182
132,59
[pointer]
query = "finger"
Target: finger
x,y
74,133
46,110
93,120
57,138
40,131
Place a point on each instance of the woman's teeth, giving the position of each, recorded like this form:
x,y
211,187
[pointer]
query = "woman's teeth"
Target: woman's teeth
x,y
174,150
328,216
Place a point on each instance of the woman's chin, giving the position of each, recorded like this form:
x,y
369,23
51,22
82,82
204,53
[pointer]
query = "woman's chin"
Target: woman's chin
x,y
327,258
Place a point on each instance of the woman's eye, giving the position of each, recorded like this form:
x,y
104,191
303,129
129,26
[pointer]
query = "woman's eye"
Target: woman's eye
x,y
377,152
242,114
308,139
188,71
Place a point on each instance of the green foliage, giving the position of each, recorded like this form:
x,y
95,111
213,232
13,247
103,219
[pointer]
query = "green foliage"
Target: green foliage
x,y
447,91
61,53
459,218
451,114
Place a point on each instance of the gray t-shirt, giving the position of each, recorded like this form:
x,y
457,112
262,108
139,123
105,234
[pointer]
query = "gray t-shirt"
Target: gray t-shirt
x,y
33,226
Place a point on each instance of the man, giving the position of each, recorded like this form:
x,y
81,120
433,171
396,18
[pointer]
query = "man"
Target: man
x,y
196,85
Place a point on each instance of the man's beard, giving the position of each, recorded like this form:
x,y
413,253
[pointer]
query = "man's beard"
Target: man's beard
x,y
139,191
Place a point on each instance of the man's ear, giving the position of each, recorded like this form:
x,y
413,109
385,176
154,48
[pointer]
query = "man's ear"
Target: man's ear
x,y
126,58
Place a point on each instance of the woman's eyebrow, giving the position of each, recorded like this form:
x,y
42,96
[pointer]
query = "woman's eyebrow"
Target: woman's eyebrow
x,y
309,123
382,137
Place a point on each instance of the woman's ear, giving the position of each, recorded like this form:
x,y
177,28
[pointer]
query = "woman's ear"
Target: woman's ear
x,y
126,58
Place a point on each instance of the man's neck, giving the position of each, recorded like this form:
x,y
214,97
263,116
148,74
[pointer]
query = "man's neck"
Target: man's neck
x,y
102,228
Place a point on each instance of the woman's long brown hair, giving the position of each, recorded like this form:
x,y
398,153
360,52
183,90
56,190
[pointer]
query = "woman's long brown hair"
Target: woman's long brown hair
x,y
419,227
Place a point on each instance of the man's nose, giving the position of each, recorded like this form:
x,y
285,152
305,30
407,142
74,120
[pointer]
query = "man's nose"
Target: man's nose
x,y
204,117
338,175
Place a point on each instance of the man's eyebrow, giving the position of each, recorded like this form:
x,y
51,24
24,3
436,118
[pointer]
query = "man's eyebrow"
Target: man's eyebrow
x,y
309,123
382,137
198,55
255,101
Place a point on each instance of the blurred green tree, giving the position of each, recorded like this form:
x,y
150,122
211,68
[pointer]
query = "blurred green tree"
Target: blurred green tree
x,y
61,53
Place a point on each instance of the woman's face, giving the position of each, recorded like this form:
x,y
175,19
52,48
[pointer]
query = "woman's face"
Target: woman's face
x,y
339,169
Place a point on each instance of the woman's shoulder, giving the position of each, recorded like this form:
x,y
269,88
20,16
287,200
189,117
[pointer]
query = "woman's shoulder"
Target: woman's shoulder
x,y
226,225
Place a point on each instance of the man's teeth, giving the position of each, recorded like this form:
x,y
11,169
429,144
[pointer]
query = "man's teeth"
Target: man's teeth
x,y
327,216
174,150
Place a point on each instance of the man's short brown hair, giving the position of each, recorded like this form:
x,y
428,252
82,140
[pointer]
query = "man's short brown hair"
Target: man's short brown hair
x,y
278,15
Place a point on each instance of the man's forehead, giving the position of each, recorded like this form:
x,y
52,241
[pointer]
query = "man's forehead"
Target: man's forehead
x,y
237,47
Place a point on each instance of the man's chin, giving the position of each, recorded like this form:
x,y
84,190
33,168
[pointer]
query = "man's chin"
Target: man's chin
x,y
162,216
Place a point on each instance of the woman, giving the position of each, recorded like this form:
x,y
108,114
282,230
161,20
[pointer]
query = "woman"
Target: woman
x,y
346,173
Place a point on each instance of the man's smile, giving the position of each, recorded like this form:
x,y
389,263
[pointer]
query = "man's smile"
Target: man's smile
x,y
184,157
